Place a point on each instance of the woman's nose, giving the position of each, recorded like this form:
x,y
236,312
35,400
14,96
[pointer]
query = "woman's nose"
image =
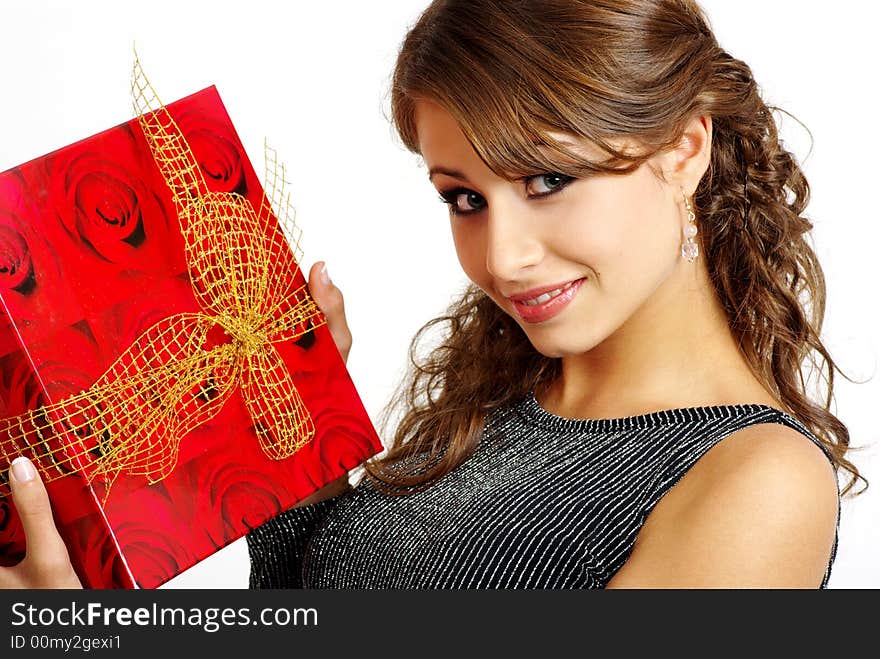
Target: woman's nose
x,y
513,242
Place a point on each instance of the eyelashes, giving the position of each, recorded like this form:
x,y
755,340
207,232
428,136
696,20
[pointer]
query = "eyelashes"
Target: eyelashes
x,y
450,197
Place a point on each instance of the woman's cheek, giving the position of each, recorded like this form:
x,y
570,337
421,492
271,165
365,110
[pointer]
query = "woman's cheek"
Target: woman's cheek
x,y
470,246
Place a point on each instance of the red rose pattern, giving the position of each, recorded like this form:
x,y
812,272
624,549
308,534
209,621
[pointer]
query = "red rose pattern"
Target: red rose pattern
x,y
100,563
217,150
12,546
153,533
103,203
90,257
243,495
46,376
30,273
16,268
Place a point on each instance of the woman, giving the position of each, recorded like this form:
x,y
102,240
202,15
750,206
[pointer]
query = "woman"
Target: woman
x,y
617,400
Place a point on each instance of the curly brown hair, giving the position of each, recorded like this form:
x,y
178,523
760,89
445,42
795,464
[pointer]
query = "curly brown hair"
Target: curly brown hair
x,y
603,69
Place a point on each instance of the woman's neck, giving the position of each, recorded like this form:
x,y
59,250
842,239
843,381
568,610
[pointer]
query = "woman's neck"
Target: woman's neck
x,y
676,351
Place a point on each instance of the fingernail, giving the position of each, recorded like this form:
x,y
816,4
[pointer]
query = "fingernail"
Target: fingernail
x,y
22,469
325,277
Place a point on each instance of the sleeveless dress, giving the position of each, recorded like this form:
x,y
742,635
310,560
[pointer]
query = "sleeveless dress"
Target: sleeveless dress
x,y
544,502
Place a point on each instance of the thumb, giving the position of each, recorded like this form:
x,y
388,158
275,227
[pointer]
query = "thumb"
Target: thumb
x,y
45,548
329,299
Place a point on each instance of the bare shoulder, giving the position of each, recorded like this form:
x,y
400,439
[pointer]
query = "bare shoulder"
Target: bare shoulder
x,y
759,509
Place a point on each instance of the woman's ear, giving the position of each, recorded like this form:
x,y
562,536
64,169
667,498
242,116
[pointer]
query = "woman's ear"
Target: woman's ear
x,y
684,165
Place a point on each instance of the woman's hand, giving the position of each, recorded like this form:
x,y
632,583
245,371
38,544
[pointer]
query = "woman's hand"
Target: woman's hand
x,y
46,563
329,299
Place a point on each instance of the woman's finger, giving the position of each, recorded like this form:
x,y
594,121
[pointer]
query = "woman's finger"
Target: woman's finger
x,y
329,299
46,558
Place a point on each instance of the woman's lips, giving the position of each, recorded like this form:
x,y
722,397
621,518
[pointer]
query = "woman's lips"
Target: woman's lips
x,y
549,309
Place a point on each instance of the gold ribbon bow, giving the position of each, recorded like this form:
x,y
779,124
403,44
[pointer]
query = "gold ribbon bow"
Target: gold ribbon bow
x,y
174,378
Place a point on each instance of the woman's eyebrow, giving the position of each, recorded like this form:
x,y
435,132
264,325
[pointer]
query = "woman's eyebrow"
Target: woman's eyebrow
x,y
446,171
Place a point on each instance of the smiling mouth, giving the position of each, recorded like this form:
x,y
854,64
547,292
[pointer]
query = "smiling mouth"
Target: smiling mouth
x,y
547,305
546,297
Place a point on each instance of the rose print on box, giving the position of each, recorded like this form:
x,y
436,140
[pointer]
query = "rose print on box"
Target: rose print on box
x,y
155,358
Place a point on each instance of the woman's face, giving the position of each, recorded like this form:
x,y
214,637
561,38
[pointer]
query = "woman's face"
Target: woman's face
x,y
614,241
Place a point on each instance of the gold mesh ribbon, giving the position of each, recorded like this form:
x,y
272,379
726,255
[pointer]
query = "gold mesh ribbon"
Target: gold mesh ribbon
x,y
242,262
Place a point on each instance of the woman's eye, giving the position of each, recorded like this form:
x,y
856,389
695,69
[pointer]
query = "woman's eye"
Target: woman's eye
x,y
550,183
462,202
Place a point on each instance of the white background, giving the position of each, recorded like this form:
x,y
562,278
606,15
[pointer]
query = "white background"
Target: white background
x,y
313,79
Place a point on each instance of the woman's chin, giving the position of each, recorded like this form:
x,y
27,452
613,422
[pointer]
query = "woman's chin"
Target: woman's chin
x,y
554,346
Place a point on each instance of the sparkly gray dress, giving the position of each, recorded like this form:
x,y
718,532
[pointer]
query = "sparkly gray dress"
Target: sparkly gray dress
x,y
544,502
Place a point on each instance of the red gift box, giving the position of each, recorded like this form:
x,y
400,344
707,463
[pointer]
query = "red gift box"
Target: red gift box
x,y
161,360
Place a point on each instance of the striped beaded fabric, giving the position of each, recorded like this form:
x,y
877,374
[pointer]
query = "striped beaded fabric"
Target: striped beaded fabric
x,y
544,502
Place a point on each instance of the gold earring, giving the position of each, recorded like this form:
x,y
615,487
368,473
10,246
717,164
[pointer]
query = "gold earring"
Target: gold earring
x,y
689,249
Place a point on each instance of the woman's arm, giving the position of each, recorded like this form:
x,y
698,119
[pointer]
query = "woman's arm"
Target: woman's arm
x,y
759,510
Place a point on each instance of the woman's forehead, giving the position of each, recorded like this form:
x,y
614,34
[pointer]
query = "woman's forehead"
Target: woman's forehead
x,y
436,127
